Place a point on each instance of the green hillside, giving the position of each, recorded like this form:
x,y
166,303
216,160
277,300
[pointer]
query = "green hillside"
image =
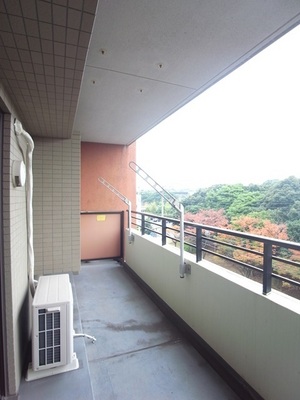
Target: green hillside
x,y
275,201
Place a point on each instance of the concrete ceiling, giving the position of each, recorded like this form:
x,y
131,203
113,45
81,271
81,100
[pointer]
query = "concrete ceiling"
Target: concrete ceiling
x,y
113,81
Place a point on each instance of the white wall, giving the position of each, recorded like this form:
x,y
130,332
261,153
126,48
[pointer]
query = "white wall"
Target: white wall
x,y
15,262
257,335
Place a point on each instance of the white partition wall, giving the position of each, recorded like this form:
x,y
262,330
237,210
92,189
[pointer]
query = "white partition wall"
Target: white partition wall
x,y
257,335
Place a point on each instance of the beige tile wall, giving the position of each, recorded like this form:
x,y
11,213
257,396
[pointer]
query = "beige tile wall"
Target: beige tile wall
x,y
56,205
56,229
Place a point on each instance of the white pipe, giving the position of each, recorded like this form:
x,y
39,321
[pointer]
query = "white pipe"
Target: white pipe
x,y
92,338
26,145
181,266
129,220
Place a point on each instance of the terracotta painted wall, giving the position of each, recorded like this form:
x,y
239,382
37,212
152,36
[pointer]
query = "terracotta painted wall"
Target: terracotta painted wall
x,y
111,163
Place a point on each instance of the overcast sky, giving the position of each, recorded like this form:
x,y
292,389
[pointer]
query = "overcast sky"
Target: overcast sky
x,y
245,129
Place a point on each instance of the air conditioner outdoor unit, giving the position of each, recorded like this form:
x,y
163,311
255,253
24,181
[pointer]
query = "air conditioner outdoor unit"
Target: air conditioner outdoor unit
x,y
52,331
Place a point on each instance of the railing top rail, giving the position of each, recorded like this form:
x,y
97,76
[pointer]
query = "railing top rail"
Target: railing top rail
x,y
268,263
244,235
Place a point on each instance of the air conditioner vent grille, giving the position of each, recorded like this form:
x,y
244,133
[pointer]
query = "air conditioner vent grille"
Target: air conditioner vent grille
x,y
49,337
52,327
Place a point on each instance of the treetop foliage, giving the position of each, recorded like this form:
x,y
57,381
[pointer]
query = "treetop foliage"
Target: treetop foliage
x,y
273,207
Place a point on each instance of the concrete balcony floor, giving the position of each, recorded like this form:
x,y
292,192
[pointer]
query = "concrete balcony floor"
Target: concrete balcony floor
x,y
138,355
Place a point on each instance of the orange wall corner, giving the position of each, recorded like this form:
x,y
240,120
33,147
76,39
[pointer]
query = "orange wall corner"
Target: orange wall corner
x,y
110,162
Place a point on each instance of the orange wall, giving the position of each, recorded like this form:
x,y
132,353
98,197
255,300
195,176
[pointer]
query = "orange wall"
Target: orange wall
x,y
111,163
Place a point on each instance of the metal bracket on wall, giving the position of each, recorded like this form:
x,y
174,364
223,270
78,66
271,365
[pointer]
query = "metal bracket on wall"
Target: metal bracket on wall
x,y
187,268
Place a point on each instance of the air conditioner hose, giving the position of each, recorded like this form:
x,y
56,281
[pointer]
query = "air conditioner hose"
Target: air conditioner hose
x,y
26,145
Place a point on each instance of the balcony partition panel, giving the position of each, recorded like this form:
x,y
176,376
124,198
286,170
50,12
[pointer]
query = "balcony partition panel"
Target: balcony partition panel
x,y
101,235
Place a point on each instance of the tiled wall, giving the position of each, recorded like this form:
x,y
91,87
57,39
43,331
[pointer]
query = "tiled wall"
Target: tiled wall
x,y
15,261
56,205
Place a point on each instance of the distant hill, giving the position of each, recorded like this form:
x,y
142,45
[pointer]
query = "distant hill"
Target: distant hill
x,y
274,200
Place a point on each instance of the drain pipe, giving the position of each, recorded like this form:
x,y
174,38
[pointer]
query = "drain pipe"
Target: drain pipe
x,y
26,145
183,269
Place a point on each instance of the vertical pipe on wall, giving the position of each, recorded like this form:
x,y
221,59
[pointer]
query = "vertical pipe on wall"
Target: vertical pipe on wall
x,y
182,264
3,347
26,145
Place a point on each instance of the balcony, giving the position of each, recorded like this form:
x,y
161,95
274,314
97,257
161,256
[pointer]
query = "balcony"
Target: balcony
x,y
139,353
222,338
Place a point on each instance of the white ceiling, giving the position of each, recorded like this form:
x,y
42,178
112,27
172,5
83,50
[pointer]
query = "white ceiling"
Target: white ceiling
x,y
145,60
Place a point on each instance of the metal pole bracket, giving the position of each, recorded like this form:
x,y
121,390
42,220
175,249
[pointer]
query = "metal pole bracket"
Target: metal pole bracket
x,y
185,269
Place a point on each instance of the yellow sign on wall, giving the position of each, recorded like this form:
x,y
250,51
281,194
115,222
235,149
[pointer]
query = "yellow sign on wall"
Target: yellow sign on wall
x,y
101,218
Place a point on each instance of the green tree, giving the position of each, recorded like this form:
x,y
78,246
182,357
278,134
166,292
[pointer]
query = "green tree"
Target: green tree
x,y
222,196
244,204
274,200
294,230
161,208
196,201
281,198
153,208
150,196
293,223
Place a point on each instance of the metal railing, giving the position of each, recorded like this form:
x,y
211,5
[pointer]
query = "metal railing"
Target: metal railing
x,y
274,263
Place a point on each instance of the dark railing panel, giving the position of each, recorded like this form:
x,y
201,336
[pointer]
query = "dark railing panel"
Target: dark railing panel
x,y
267,274
198,243
258,257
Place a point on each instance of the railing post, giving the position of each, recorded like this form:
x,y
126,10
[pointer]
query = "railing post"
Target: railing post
x,y
143,224
122,217
267,268
163,231
198,243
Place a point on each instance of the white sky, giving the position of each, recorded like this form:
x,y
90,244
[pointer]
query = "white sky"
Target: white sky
x,y
245,129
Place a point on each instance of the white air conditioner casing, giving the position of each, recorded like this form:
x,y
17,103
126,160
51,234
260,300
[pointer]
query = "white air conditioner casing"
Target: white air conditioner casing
x,y
52,331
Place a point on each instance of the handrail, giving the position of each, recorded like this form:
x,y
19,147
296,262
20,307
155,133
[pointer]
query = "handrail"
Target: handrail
x,y
204,239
